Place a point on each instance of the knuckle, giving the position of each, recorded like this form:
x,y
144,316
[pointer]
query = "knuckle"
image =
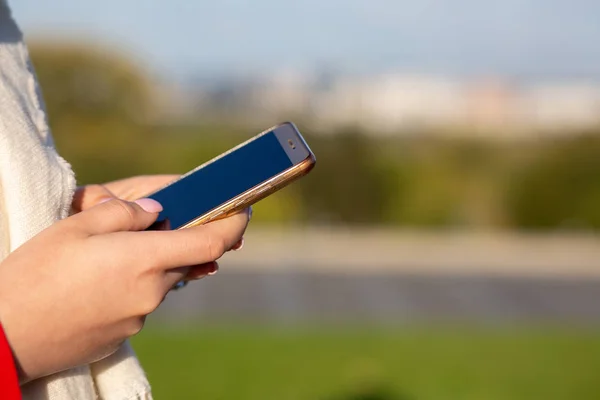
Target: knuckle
x,y
125,210
147,307
94,193
150,303
215,246
135,325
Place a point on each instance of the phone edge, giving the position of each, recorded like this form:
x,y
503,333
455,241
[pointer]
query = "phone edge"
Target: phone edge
x,y
257,193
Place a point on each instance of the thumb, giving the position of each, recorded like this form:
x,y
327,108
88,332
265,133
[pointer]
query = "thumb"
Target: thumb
x,y
90,195
114,215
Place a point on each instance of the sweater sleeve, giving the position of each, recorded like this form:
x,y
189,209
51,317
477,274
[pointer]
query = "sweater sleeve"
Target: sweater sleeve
x,y
9,382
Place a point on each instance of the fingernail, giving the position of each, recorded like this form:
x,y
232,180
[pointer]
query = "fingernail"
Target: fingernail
x,y
249,213
149,205
238,245
215,269
105,200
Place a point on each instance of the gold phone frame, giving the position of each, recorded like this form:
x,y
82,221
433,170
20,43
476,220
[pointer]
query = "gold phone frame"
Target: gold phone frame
x,y
258,192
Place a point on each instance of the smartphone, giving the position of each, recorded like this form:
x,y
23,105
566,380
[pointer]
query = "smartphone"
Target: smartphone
x,y
235,180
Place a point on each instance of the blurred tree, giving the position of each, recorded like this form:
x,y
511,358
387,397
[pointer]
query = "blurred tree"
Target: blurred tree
x,y
371,393
96,101
87,81
560,188
348,185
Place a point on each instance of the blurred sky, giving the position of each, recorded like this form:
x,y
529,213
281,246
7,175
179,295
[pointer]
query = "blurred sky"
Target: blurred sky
x,y
525,38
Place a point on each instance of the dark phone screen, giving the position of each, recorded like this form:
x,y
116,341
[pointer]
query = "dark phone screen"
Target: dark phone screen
x,y
220,181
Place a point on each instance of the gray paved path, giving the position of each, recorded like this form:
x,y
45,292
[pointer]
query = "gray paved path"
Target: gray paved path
x,y
293,296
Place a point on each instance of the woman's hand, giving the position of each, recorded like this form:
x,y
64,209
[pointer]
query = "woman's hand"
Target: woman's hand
x,y
132,189
76,291
126,189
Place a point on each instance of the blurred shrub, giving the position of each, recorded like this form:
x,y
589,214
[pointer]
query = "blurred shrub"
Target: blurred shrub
x,y
95,99
449,184
559,188
347,186
87,81
370,393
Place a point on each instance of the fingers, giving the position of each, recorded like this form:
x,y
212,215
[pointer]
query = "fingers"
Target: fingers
x,y
173,279
190,246
139,186
117,216
128,189
238,245
200,271
88,196
169,279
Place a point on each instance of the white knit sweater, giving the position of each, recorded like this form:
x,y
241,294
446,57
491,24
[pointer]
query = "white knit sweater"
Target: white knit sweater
x,y
36,190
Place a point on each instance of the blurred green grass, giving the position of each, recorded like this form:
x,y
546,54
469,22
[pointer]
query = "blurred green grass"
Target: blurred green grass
x,y
396,364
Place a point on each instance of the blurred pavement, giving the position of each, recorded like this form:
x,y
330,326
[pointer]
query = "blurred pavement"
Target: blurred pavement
x,y
376,251
392,278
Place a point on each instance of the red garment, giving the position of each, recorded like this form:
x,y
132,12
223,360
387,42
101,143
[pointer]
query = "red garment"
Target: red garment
x,y
9,382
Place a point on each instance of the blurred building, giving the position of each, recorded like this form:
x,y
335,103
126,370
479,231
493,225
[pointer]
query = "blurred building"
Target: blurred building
x,y
492,103
387,103
560,107
393,104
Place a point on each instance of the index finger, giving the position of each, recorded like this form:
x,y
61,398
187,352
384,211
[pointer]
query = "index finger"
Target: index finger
x,y
190,246
86,197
